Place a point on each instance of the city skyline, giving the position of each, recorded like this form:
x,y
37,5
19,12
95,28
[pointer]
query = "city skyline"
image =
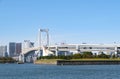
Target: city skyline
x,y
69,21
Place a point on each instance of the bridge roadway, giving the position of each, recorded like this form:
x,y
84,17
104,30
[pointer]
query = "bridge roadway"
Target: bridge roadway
x,y
108,49
55,49
45,50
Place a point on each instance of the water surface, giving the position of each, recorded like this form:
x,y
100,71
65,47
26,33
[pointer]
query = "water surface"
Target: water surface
x,y
32,71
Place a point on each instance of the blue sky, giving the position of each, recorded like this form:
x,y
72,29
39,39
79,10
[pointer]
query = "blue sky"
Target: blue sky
x,y
70,21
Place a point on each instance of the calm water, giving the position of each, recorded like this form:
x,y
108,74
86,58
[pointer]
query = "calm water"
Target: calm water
x,y
31,71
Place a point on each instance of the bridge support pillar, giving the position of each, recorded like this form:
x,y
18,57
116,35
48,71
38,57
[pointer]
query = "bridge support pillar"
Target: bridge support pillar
x,y
21,58
116,51
56,51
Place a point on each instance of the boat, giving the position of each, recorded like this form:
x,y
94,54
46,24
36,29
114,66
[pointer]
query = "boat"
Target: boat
x,y
20,62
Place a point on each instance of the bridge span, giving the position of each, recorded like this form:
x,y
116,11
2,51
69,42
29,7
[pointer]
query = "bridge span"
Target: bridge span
x,y
69,49
30,54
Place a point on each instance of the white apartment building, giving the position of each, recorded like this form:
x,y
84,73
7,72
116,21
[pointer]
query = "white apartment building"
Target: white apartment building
x,y
27,44
3,51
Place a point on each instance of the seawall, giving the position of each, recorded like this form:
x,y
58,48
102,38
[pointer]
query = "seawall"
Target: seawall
x,y
46,61
88,62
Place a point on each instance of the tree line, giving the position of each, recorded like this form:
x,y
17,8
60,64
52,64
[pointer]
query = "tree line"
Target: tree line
x,y
84,55
7,60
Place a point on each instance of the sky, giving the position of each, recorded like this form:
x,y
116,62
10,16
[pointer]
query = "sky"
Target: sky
x,y
68,21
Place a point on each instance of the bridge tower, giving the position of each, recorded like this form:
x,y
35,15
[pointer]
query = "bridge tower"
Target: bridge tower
x,y
41,50
43,41
40,40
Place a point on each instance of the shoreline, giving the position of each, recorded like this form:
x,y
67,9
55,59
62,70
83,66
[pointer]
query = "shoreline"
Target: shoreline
x,y
46,61
78,62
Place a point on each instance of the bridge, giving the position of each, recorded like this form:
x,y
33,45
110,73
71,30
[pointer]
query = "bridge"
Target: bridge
x,y
70,49
31,53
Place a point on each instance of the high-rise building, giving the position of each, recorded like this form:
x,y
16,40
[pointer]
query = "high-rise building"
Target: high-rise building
x,y
3,51
18,48
14,49
27,44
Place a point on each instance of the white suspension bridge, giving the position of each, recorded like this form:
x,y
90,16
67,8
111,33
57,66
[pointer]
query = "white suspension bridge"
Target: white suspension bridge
x,y
64,49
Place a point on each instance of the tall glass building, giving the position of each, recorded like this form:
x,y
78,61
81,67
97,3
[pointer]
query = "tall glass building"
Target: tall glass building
x,y
14,49
18,48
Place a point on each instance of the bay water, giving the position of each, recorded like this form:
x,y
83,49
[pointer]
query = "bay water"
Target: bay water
x,y
33,71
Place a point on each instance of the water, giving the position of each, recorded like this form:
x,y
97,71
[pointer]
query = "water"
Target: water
x,y
31,71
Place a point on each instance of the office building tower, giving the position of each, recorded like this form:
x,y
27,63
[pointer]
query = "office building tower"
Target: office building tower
x,y
3,51
12,49
18,48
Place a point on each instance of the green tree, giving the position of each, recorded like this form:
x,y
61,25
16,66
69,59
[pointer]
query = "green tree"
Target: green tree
x,y
87,55
102,55
77,56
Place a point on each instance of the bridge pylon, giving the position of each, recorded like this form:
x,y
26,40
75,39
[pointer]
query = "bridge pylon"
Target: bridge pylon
x,y
40,37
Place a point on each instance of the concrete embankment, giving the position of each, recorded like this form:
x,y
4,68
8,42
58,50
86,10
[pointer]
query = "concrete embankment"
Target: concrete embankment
x,y
90,62
78,62
46,61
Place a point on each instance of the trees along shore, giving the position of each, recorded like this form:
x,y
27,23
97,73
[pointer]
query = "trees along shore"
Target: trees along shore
x,y
7,60
84,55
